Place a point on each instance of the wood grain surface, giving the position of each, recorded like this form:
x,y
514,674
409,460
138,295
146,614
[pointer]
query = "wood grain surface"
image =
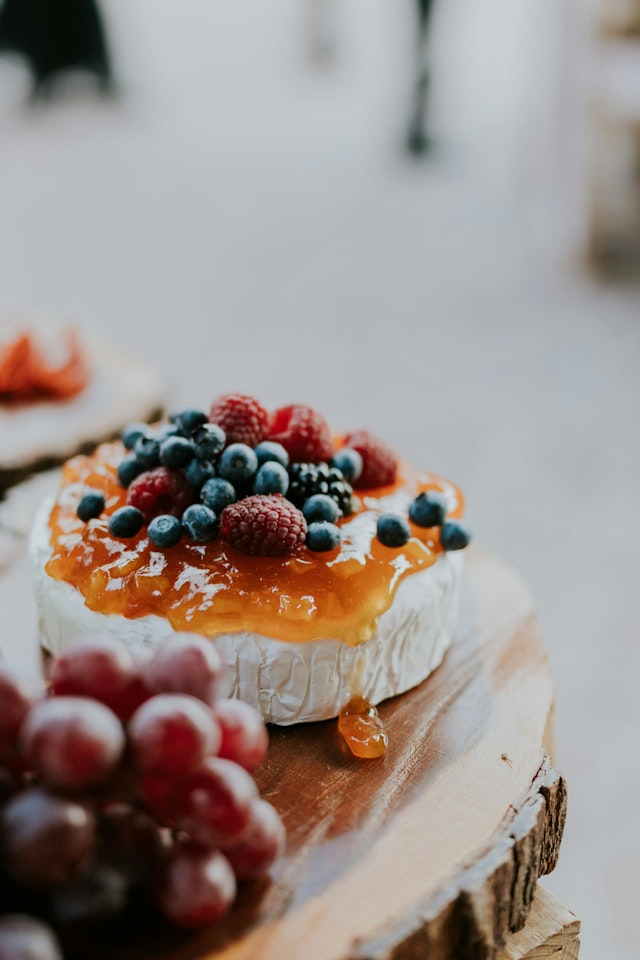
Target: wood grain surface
x,y
552,932
433,850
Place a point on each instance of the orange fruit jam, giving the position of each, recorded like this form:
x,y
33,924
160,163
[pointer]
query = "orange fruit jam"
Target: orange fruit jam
x,y
362,729
212,588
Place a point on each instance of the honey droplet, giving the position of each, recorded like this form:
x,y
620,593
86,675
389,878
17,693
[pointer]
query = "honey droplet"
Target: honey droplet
x,y
362,729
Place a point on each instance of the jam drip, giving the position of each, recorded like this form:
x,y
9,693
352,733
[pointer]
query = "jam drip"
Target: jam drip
x,y
212,588
26,375
362,729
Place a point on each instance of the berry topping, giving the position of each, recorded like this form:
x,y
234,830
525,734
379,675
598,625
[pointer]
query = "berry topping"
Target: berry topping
x,y
197,472
349,462
209,440
272,477
200,523
455,535
428,509
241,417
268,450
126,522
263,526
160,491
321,507
176,452
307,479
165,531
392,530
189,420
132,433
323,536
379,462
238,463
303,433
217,494
91,505
128,470
165,430
147,452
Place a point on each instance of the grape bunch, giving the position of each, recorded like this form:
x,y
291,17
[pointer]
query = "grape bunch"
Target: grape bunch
x,y
127,773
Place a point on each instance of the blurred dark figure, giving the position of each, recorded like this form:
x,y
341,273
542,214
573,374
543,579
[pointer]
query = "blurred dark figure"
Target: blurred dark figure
x,y
55,36
418,140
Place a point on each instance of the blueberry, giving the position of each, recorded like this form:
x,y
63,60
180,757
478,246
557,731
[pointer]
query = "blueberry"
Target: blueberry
x,y
197,472
428,509
165,531
126,522
132,433
147,451
238,462
128,470
455,535
218,494
209,440
200,523
322,536
272,477
349,462
176,452
393,530
270,451
189,420
320,507
91,505
165,430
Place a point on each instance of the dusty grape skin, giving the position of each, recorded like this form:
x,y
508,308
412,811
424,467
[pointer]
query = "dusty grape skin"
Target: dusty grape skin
x,y
185,663
45,839
25,938
18,692
132,839
216,802
260,845
244,735
101,667
197,886
173,733
74,742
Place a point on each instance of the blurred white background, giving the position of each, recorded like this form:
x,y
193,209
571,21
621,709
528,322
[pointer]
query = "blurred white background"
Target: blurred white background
x,y
247,219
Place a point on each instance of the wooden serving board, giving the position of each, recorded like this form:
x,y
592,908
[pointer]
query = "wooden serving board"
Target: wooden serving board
x,y
433,850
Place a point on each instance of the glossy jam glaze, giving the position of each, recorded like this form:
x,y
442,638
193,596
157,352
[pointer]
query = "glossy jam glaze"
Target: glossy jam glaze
x,y
362,729
214,589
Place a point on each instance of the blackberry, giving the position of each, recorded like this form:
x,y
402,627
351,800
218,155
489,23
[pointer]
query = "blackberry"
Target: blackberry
x,y
308,479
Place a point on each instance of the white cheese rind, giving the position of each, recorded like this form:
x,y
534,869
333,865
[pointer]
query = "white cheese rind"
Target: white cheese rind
x,y
287,682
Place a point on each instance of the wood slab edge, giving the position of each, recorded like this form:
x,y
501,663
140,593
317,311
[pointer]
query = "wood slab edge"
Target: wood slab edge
x,y
471,918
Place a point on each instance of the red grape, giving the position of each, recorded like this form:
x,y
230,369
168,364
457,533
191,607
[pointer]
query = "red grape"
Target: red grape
x,y
132,838
244,734
260,845
24,938
185,663
216,802
197,886
97,666
45,839
73,741
173,733
18,692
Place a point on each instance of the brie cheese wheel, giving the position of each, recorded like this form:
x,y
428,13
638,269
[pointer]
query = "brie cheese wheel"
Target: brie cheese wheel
x,y
288,682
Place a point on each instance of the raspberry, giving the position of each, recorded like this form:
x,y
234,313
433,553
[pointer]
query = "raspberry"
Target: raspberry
x,y
263,526
379,462
160,491
303,433
241,417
